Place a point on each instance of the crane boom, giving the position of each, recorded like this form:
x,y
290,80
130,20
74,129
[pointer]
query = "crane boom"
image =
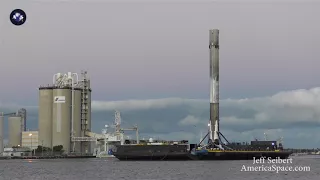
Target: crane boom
x,y
135,128
10,114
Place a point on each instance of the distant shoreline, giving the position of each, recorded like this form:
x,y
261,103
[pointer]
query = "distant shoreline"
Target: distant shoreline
x,y
45,157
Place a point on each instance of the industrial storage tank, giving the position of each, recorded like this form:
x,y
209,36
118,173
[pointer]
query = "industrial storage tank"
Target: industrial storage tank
x,y
45,116
1,132
15,134
77,117
61,117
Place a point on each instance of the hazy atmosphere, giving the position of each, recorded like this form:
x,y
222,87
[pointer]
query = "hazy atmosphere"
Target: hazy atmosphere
x,y
150,60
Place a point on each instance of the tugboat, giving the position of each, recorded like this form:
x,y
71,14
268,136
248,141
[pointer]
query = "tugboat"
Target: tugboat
x,y
214,149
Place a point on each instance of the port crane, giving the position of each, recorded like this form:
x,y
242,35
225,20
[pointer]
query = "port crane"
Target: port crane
x,y
135,128
22,113
117,123
10,114
90,136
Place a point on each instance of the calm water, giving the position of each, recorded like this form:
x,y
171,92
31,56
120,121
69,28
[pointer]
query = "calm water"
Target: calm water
x,y
104,169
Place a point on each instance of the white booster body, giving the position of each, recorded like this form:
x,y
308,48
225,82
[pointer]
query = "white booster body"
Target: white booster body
x,y
214,83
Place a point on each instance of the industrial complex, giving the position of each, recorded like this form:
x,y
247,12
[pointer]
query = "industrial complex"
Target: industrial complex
x,y
64,120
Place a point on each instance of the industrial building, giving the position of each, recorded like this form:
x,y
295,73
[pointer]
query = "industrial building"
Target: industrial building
x,y
30,139
17,124
64,119
15,131
65,112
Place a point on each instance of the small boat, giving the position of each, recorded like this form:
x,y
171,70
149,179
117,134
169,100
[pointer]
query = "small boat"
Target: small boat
x,y
105,154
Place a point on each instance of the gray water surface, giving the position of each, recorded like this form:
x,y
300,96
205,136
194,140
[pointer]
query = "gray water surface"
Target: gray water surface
x,y
111,168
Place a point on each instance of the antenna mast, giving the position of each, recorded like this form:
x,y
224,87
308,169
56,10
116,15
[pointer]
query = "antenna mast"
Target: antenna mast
x,y
117,120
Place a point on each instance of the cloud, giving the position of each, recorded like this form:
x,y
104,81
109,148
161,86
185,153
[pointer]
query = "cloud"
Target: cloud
x,y
142,104
173,136
297,108
189,120
240,118
282,110
294,115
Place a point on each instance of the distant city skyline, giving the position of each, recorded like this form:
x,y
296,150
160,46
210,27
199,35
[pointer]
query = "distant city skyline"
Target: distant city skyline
x,y
151,62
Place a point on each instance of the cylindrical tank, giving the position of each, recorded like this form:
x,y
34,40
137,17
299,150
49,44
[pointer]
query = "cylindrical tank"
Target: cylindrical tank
x,y
77,117
45,116
1,133
15,123
61,118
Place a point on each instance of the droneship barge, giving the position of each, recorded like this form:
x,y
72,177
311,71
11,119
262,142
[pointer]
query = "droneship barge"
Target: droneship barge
x,y
214,149
180,151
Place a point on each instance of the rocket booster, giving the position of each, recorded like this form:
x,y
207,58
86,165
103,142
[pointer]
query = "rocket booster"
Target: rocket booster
x,y
214,84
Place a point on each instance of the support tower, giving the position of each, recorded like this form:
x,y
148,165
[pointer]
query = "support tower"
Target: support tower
x,y
85,111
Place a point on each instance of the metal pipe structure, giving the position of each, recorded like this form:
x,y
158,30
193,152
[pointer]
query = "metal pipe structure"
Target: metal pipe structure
x,y
54,79
1,132
214,85
72,76
59,79
137,135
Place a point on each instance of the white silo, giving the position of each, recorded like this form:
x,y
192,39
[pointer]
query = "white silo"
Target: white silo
x,y
61,117
66,113
15,133
45,116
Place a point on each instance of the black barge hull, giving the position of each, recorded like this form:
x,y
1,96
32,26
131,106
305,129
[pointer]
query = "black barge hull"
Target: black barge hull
x,y
152,152
154,157
239,155
182,153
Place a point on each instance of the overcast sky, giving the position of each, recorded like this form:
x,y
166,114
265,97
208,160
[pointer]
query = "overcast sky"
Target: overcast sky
x,y
150,59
